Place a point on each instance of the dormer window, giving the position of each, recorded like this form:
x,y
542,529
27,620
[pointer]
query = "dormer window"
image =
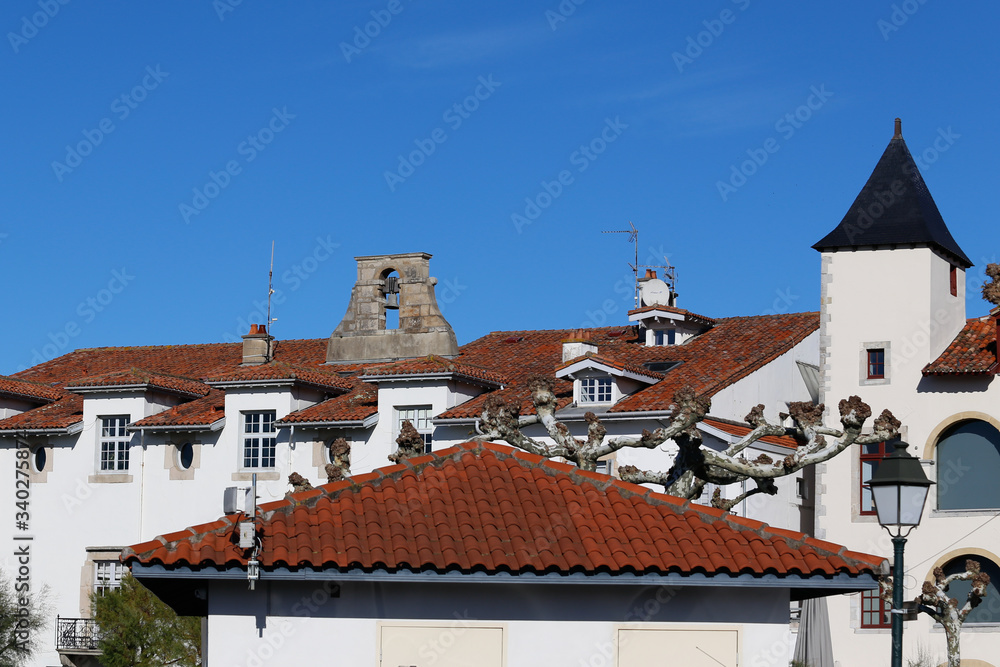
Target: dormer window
x,y
664,337
595,390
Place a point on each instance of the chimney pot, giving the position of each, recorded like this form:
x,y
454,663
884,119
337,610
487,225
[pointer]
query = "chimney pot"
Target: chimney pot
x,y
253,330
899,129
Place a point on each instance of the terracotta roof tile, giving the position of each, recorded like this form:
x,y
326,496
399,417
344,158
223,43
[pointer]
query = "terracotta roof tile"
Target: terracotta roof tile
x,y
358,404
973,352
492,509
740,430
137,377
618,364
30,391
279,370
701,319
726,353
203,411
434,365
57,416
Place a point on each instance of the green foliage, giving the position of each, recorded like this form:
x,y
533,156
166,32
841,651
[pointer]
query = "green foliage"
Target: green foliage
x,y
19,631
139,630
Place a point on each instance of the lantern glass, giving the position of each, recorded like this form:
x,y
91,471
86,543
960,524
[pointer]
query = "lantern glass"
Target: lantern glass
x,y
899,505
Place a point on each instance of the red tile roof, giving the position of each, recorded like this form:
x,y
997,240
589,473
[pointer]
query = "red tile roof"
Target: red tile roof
x,y
57,416
740,430
489,508
29,391
435,365
187,361
729,351
973,352
726,353
605,360
201,412
281,371
694,317
137,377
357,405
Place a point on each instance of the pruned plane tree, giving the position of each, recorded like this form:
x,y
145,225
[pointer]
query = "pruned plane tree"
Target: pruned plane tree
x,y
694,465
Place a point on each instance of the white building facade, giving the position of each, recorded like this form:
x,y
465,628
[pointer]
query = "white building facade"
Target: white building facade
x,y
894,332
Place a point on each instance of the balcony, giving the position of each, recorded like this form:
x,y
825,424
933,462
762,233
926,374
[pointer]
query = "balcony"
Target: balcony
x,y
77,635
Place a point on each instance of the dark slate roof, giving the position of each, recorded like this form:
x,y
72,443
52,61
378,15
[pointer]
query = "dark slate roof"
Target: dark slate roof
x,y
909,218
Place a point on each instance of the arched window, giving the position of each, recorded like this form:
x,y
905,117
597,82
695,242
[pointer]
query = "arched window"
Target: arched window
x,y
390,298
968,466
988,610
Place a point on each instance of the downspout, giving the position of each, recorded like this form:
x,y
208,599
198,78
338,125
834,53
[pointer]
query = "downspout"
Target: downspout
x,y
142,475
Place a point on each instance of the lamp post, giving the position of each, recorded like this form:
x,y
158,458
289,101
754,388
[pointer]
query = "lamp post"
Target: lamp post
x,y
899,489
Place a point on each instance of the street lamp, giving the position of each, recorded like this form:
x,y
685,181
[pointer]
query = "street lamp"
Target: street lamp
x,y
899,489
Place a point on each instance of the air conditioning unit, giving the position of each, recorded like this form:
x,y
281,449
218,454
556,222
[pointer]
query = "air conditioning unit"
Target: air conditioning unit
x,y
231,500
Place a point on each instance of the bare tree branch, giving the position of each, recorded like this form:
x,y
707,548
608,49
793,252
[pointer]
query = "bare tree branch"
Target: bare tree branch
x,y
934,601
694,466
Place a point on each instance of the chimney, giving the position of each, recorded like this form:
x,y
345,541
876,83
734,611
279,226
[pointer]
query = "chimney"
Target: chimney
x,y
898,133
257,347
577,345
650,275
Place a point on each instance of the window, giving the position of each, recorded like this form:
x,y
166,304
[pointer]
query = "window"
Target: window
x,y
595,390
114,443
107,576
954,280
988,610
259,439
661,337
40,459
875,612
871,456
420,417
185,456
876,364
968,465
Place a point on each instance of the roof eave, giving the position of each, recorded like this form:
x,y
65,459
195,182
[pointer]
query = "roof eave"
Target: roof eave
x,y
131,388
442,375
72,429
217,425
841,582
367,422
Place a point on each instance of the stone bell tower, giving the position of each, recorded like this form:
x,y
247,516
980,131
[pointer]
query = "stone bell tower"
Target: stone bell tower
x,y
385,283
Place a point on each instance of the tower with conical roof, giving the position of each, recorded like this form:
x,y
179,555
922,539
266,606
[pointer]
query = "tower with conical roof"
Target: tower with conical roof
x,y
893,283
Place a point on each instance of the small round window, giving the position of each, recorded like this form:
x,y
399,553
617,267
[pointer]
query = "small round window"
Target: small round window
x,y
40,458
185,455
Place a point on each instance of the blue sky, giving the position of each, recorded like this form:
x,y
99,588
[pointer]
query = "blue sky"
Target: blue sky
x,y
152,151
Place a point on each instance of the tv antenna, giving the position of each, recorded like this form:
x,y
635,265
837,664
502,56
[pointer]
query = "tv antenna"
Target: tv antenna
x,y
633,237
270,291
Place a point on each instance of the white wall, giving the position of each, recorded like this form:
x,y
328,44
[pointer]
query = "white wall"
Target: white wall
x,y
545,626
901,297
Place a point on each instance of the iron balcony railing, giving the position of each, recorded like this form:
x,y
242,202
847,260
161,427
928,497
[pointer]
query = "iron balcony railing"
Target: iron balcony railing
x,y
77,634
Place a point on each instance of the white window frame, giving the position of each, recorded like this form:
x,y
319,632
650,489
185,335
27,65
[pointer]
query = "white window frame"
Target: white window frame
x,y
418,415
256,443
596,390
113,444
107,576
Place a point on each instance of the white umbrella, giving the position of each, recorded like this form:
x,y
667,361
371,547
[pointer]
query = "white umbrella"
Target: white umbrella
x,y
813,647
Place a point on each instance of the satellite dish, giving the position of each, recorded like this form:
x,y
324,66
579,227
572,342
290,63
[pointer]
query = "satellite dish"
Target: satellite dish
x,y
655,292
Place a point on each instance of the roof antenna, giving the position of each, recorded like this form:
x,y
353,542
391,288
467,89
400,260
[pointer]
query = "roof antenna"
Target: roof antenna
x,y
270,291
632,238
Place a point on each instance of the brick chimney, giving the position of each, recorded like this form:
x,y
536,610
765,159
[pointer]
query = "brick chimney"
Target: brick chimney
x,y
257,347
577,345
